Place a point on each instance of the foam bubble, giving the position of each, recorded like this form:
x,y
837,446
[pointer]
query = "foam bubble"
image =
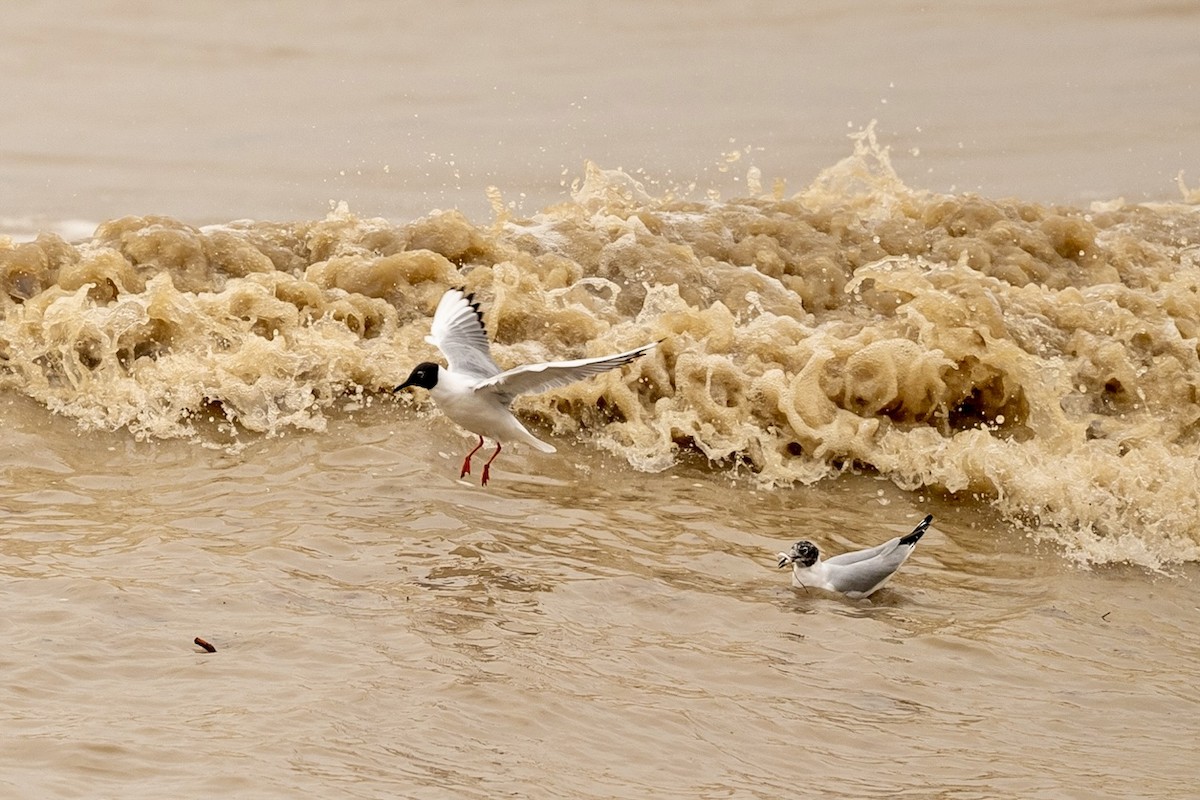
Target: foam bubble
x,y
1042,358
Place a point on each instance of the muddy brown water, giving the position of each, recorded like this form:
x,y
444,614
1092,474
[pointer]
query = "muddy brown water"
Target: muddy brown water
x,y
199,440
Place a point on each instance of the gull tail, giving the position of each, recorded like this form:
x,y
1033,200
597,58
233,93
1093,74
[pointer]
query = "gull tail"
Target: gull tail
x,y
918,531
543,446
521,434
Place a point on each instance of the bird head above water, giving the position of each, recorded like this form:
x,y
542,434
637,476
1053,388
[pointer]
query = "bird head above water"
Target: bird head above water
x,y
424,375
804,553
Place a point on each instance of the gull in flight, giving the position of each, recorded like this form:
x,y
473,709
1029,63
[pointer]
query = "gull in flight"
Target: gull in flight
x,y
475,393
856,574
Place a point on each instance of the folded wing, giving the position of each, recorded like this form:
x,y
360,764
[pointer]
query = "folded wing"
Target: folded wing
x,y
881,551
864,577
904,544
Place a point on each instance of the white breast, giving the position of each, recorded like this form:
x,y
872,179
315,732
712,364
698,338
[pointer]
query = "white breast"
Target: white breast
x,y
480,412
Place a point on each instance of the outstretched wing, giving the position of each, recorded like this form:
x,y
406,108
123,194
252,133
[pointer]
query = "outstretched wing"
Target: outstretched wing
x,y
533,378
459,333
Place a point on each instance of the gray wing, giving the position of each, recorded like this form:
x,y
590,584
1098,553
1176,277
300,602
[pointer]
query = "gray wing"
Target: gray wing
x,y
459,333
865,576
863,555
533,378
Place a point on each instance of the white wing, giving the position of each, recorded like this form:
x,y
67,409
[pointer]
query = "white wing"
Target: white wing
x,y
459,333
533,378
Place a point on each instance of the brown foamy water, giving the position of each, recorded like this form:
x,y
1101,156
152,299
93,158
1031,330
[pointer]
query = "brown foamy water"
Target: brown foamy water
x,y
201,439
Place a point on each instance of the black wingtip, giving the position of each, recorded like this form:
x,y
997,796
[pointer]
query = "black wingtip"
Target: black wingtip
x,y
918,531
473,304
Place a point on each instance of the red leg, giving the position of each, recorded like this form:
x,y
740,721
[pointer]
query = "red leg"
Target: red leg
x,y
466,469
488,464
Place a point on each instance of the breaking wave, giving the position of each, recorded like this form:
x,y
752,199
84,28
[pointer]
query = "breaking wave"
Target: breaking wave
x,y
1041,358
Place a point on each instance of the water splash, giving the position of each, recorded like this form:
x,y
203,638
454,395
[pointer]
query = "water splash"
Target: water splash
x,y
1042,358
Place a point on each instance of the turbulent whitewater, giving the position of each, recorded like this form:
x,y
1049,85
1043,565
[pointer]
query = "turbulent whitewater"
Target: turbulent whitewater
x,y
1040,358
